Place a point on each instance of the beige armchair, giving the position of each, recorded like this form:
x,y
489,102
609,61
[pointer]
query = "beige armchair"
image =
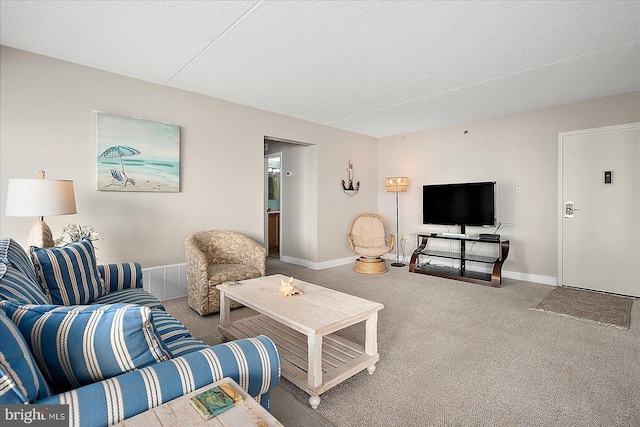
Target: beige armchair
x,y
370,236
214,257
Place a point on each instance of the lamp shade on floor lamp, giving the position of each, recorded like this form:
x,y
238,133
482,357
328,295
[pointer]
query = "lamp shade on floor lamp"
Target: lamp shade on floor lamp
x,y
40,197
397,184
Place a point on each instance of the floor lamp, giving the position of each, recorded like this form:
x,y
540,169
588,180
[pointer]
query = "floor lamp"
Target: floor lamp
x,y
397,184
40,197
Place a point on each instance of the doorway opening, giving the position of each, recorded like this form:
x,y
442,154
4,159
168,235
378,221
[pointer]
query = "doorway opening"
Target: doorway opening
x,y
289,195
273,192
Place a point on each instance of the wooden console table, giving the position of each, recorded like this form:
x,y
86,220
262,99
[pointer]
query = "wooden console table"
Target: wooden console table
x,y
462,273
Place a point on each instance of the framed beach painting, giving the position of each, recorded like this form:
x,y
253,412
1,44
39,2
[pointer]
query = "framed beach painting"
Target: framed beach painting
x,y
137,155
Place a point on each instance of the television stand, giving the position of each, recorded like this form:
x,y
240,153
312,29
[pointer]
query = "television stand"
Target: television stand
x,y
455,235
462,273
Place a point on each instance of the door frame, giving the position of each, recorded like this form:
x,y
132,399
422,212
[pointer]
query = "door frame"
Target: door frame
x,y
266,201
561,198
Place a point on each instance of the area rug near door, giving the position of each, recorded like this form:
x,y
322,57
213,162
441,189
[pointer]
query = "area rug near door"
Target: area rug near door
x,y
590,306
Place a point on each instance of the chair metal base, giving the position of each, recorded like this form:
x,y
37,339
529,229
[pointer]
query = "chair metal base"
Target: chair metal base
x,y
370,266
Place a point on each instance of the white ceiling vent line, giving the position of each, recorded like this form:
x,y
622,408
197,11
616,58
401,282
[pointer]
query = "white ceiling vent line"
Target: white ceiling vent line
x,y
375,68
237,21
432,95
333,122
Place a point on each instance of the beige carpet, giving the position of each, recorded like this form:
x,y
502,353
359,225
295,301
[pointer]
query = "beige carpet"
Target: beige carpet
x,y
590,306
459,354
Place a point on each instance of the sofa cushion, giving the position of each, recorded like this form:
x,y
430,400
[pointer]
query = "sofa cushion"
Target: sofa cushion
x,y
83,344
20,378
372,252
184,345
368,232
69,273
11,253
176,338
130,296
18,287
168,327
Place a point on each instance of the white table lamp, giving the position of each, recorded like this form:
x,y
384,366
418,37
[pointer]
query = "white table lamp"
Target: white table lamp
x,y
40,197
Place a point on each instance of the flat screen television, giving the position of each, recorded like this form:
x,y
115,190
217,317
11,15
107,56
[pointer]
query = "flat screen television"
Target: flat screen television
x,y
472,203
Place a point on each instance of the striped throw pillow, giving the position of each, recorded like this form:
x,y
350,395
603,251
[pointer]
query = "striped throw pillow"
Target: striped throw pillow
x,y
17,287
69,273
80,345
20,379
122,275
11,253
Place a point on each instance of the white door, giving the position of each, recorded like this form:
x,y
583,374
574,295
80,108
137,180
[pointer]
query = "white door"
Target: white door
x,y
599,225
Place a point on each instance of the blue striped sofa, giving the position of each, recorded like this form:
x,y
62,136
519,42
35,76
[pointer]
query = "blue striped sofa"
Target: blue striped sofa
x,y
32,369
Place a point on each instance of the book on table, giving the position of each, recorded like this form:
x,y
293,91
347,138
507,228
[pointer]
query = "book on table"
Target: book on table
x,y
231,284
213,402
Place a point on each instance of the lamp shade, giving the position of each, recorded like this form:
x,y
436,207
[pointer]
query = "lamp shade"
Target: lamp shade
x,y
40,197
396,184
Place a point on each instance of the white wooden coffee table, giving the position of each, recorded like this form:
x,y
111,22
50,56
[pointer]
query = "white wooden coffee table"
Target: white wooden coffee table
x,y
302,326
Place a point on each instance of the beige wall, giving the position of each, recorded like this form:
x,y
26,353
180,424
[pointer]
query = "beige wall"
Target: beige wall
x,y
514,150
48,122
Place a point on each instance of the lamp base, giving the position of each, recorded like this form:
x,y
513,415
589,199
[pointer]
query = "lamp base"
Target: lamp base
x,y
41,236
397,264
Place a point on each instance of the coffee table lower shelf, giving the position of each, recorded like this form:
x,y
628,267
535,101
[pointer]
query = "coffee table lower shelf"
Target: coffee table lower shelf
x,y
341,358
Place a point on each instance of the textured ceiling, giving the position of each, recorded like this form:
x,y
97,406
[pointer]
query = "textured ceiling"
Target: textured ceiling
x,y
376,68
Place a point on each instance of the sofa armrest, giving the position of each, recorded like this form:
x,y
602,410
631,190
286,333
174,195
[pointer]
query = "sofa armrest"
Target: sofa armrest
x,y
252,362
258,259
121,276
196,264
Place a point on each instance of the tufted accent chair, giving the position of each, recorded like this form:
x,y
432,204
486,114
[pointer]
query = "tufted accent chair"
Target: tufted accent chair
x,y
214,257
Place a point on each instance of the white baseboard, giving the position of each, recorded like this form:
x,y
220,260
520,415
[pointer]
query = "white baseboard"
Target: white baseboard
x,y
536,278
167,282
170,281
296,261
332,263
318,265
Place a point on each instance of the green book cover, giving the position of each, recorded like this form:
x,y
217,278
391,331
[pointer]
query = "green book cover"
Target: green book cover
x,y
211,402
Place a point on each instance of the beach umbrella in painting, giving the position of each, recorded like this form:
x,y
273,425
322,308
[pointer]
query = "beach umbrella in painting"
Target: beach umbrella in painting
x,y
119,151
